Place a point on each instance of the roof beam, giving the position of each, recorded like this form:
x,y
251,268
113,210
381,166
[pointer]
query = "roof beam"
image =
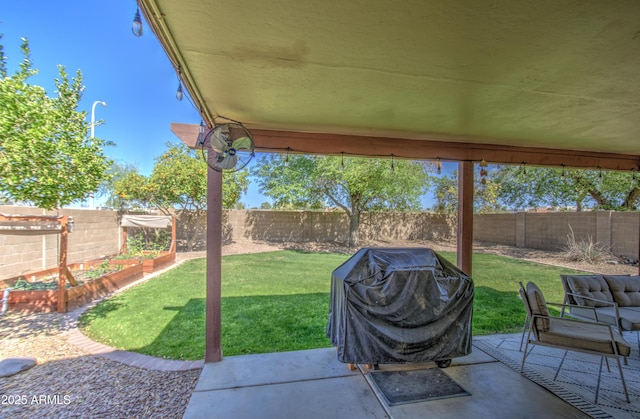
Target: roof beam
x,y
369,146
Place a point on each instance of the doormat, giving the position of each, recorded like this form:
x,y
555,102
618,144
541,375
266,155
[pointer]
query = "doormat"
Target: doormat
x,y
401,387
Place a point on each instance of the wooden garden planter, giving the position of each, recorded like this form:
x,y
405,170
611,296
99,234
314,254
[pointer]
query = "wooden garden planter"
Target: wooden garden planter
x,y
91,290
33,301
76,296
47,301
151,265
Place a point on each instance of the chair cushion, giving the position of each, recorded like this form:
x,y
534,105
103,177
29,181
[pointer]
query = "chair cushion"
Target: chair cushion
x,y
593,286
538,306
583,336
625,289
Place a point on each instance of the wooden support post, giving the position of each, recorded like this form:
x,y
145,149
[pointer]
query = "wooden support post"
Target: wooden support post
x,y
123,248
62,266
71,278
465,217
213,324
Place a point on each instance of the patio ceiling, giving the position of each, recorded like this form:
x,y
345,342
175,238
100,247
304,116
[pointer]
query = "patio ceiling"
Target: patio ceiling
x,y
559,76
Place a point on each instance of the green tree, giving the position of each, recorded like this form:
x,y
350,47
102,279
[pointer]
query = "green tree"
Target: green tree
x,y
46,157
521,187
353,184
132,190
542,186
485,194
5,200
179,182
117,172
445,190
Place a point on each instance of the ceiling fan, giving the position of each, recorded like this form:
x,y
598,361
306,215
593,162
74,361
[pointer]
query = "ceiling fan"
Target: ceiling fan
x,y
229,146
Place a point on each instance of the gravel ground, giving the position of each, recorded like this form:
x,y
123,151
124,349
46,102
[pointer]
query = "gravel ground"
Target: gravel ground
x,y
80,385
68,383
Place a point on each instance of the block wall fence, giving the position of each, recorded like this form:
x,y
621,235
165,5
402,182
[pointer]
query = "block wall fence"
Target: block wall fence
x,y
97,232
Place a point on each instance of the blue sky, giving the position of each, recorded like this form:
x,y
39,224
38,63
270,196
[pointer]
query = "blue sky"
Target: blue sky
x,y
132,75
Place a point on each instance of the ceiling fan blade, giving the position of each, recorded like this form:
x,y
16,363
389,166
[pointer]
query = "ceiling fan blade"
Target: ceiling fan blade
x,y
243,143
229,162
217,139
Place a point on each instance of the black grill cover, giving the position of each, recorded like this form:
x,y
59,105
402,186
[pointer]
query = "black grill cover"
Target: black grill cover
x,y
403,305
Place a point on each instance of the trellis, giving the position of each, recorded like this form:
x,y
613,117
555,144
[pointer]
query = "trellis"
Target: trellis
x,y
42,225
148,221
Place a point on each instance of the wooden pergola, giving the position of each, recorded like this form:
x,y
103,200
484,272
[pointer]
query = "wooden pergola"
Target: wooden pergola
x,y
550,83
45,224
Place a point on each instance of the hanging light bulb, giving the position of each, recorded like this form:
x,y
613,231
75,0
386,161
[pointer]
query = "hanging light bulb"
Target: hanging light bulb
x,y
393,168
136,28
599,174
438,166
563,175
342,161
286,159
179,93
524,169
201,133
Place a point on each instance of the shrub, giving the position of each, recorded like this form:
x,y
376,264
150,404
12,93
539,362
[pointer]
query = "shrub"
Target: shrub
x,y
587,250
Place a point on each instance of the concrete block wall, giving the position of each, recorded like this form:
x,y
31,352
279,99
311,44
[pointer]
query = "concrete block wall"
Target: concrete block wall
x,y
288,226
96,234
549,231
384,225
333,226
546,231
327,226
496,228
279,226
624,233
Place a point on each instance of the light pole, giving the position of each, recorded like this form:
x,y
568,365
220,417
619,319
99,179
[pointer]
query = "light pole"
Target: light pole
x,y
93,114
93,125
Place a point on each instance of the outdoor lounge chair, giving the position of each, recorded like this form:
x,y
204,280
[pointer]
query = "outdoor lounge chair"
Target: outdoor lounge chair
x,y
615,299
571,335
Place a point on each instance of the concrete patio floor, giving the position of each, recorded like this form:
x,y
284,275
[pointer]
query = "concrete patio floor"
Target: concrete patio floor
x,y
314,384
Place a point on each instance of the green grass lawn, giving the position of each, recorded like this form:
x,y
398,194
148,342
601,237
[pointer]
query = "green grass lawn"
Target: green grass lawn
x,y
279,301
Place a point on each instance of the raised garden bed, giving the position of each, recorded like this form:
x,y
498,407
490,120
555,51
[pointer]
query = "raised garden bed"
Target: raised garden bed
x,y
43,295
150,263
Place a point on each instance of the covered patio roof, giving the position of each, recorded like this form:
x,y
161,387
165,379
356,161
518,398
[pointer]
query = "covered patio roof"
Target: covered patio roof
x,y
551,82
559,75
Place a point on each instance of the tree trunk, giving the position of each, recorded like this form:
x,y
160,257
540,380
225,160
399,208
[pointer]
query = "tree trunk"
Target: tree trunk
x,y
632,198
354,227
191,230
188,219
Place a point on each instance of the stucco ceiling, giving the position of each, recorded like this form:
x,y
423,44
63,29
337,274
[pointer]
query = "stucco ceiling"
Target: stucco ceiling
x,y
555,74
